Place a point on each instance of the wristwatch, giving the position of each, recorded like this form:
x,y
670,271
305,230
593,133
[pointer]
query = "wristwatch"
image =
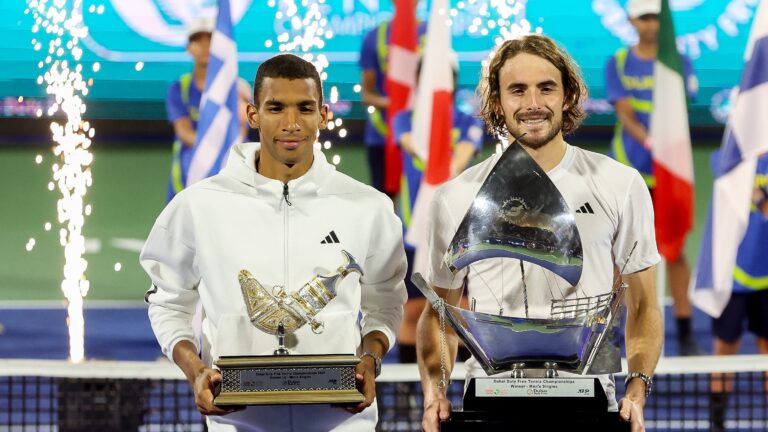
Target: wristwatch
x,y
376,362
646,379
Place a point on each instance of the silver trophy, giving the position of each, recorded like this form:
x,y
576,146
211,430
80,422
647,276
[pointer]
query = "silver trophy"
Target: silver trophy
x,y
283,378
519,213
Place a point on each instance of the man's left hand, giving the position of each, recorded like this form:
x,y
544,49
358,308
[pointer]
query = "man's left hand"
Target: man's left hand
x,y
631,410
365,379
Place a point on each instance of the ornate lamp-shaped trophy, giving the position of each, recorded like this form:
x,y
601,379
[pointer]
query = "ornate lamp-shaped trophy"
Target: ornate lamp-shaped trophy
x,y
519,213
283,378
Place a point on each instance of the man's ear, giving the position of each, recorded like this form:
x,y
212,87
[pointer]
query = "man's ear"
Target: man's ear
x,y
325,117
253,115
498,111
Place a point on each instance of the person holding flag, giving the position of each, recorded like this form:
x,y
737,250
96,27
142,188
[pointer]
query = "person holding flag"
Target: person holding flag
x,y
388,60
438,142
640,96
466,141
183,104
748,298
731,280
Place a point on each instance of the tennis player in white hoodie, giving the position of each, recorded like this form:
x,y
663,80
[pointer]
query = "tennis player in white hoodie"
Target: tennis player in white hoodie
x,y
271,211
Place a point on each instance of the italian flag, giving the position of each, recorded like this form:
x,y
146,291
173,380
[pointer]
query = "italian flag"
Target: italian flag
x,y
401,76
671,144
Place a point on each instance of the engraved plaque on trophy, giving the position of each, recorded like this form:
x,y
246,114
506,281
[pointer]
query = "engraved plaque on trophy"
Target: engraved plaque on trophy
x,y
519,213
284,378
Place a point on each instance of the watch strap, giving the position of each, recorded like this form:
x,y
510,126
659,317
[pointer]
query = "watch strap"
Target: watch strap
x,y
645,378
376,362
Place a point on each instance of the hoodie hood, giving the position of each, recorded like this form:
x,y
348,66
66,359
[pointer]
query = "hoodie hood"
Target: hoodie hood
x,y
241,166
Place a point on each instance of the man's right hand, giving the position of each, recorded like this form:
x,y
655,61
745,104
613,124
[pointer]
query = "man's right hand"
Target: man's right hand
x,y
438,410
206,381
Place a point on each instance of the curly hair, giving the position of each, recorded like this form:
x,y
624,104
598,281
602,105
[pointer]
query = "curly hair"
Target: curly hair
x,y
573,84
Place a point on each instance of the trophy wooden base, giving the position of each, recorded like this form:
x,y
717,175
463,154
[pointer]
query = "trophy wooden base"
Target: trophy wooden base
x,y
289,379
535,410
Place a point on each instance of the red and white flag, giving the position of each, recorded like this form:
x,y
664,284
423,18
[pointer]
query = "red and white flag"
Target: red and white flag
x,y
671,144
401,76
432,123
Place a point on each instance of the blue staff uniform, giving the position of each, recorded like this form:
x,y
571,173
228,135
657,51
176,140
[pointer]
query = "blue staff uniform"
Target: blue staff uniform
x,y
373,56
749,297
628,76
182,100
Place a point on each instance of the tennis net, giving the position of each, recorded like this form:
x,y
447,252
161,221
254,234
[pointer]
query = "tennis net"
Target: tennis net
x,y
690,393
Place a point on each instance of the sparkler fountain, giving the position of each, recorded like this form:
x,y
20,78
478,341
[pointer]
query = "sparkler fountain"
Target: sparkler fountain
x,y
59,24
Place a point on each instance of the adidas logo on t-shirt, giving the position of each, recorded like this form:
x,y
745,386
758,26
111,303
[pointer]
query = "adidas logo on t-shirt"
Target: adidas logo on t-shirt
x,y
586,208
330,238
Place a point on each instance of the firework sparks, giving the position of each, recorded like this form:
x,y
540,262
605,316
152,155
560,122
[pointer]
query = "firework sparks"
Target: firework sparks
x,y
59,24
503,18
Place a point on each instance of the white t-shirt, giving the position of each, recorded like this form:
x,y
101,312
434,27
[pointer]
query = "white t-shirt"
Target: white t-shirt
x,y
621,213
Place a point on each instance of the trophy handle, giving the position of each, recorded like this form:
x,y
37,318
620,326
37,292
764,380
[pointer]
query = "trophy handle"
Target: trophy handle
x,y
351,266
425,289
611,312
310,299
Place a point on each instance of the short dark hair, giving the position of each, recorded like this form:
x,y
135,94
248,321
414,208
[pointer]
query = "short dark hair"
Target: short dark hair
x,y
286,66
196,36
574,87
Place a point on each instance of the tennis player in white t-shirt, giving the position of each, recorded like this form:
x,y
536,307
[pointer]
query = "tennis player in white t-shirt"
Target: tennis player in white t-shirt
x,y
533,87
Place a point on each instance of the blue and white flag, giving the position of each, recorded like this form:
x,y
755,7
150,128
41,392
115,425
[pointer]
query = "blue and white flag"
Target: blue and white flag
x,y
746,137
219,126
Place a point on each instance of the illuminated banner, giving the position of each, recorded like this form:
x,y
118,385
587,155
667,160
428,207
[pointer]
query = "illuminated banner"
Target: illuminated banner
x,y
143,41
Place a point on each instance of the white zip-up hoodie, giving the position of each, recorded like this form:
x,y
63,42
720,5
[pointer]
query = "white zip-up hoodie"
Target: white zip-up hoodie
x,y
241,220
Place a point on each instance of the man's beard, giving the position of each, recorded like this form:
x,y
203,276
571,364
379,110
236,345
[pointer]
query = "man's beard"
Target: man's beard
x,y
532,142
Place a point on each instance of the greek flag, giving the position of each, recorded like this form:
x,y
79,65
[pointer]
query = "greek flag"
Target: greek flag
x,y
746,138
219,126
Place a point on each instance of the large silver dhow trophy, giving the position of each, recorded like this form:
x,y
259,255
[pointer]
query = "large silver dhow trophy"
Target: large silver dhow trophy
x,y
283,378
519,213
